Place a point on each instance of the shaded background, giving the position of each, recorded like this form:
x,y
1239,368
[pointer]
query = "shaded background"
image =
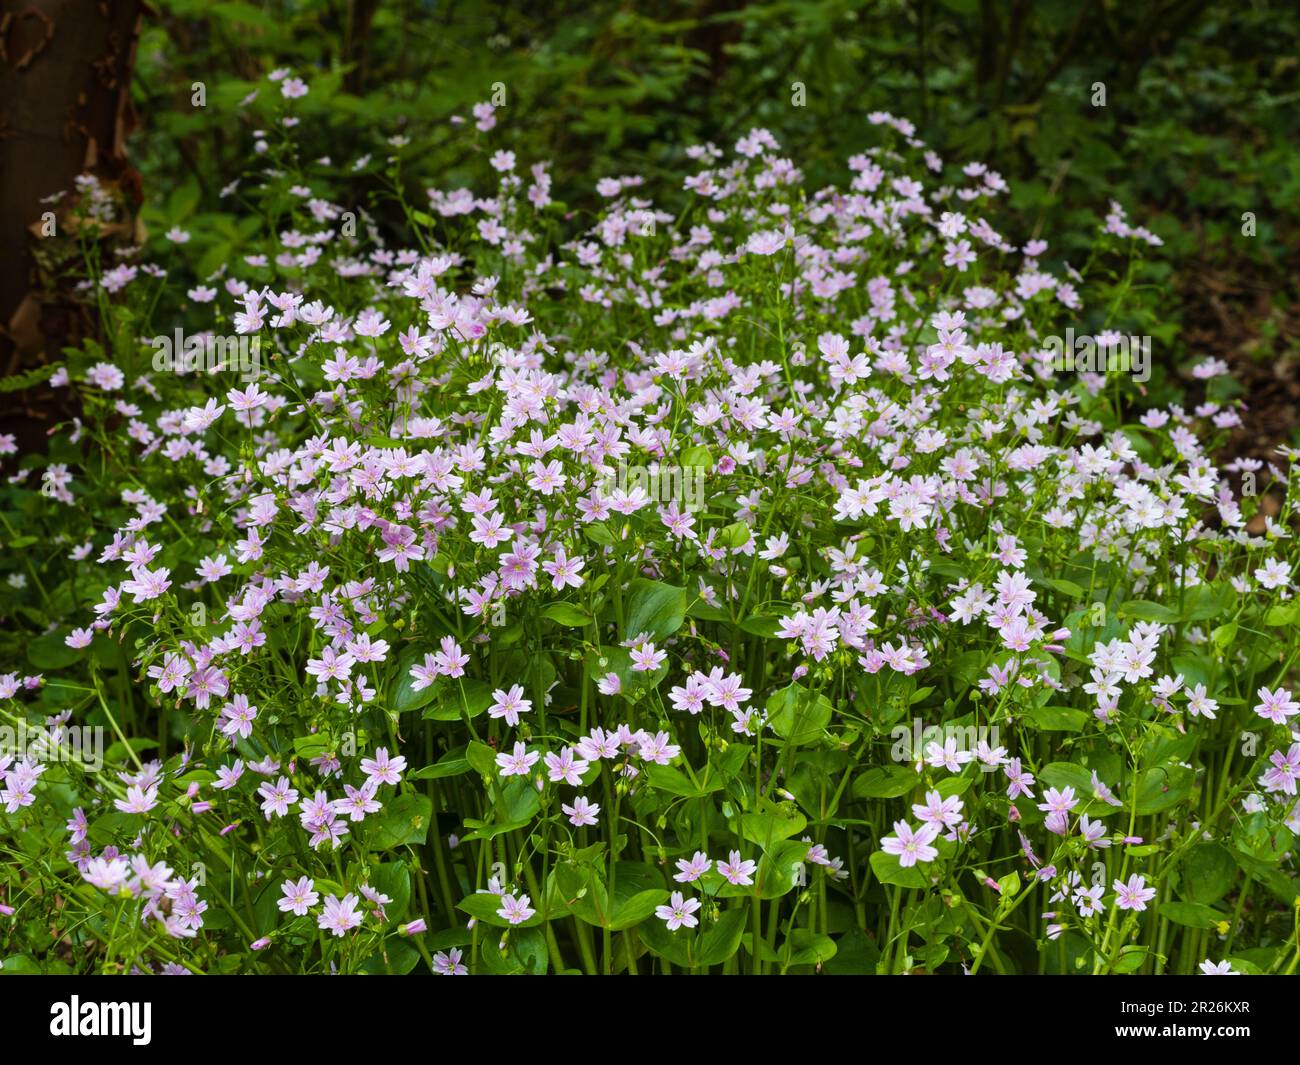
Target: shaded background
x,y
1199,127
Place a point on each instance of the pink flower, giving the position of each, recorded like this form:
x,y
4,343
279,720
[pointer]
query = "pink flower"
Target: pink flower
x,y
239,715
565,767
519,763
645,659
564,571
298,898
515,910
679,913
693,869
339,915
1276,706
1134,895
79,638
382,769
581,812
911,847
449,963
509,704
138,800
734,871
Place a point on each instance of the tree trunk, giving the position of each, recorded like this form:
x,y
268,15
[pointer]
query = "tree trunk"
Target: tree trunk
x,y
65,109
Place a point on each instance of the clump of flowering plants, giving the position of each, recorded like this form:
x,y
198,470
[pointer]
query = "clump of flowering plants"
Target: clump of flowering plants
x,y
741,588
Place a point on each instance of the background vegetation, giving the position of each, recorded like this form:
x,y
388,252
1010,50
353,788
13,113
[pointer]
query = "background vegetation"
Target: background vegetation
x,y
1199,125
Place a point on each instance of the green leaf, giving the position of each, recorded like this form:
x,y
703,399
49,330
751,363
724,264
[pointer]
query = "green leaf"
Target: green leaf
x,y
772,824
721,941
1282,614
568,615
675,782
483,758
1130,959
244,14
1068,775
404,697
397,958
856,954
519,801
312,746
451,764
1161,787
404,821
394,880
1148,611
1207,601
778,871
582,892
1256,836
885,782
1056,718
735,535
1209,871
633,911
652,607
888,871
697,456
466,697
484,905
1066,588
1190,914
797,715
732,761
764,625
50,652
676,947
1224,635
523,953
806,947
183,200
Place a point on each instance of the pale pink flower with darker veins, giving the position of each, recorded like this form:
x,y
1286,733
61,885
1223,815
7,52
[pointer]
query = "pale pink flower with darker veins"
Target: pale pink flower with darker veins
x,y
509,705
735,871
679,913
693,869
1133,895
1276,706
515,910
239,715
382,769
339,915
564,571
911,846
